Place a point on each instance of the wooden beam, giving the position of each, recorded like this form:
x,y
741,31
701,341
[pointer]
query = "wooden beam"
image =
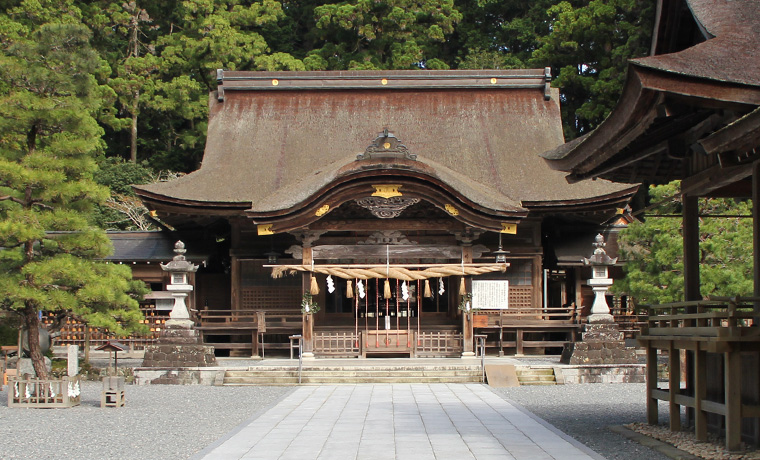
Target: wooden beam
x,y
378,225
674,385
652,402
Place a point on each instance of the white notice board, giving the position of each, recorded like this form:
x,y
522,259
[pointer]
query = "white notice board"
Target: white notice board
x,y
490,294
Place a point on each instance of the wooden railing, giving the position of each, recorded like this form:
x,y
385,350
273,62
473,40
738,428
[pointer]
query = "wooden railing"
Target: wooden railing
x,y
262,319
719,325
497,318
439,344
337,344
715,317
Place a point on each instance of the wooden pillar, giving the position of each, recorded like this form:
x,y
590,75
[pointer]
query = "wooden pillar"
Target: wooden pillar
x,y
733,399
700,394
467,330
691,281
307,320
652,409
756,233
234,283
691,247
674,384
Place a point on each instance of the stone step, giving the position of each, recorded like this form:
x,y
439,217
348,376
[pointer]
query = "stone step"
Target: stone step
x,y
310,380
335,375
536,376
352,373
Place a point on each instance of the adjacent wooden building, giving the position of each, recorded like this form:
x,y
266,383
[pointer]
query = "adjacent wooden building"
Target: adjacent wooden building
x,y
399,185
691,111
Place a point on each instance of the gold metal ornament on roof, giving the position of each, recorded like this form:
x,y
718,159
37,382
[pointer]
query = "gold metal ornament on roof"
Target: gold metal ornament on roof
x,y
386,144
387,190
322,211
451,210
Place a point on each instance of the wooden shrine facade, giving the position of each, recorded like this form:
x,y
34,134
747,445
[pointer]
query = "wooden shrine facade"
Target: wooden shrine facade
x,y
408,170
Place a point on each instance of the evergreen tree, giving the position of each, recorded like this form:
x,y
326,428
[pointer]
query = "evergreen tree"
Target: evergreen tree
x,y
49,139
653,249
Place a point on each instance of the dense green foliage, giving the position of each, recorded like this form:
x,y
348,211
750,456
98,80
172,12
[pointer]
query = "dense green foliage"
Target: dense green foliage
x,y
49,141
159,58
653,249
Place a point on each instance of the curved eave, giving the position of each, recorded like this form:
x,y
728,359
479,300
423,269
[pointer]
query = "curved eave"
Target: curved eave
x,y
164,203
604,203
359,183
644,91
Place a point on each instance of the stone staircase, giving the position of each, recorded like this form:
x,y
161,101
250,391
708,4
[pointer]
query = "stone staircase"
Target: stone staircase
x,y
536,376
288,375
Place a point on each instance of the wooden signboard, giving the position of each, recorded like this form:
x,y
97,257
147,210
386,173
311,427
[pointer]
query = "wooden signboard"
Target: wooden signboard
x,y
490,294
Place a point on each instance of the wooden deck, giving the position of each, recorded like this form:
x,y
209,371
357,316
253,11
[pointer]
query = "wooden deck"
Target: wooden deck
x,y
720,328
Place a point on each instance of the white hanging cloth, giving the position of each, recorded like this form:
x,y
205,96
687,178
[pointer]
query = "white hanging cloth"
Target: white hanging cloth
x,y
330,284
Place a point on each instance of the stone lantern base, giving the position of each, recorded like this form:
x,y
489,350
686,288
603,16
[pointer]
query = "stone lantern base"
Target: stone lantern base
x,y
601,343
179,347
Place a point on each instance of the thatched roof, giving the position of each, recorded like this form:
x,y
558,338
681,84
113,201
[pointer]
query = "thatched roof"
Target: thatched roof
x,y
278,141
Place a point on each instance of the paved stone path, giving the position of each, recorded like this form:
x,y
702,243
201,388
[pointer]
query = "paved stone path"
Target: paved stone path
x,y
396,422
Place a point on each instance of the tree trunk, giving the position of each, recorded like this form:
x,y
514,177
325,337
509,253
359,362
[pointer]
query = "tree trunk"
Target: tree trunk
x,y
133,134
32,325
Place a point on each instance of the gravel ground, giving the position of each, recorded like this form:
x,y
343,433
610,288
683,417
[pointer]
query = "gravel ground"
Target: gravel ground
x,y
584,412
174,422
157,422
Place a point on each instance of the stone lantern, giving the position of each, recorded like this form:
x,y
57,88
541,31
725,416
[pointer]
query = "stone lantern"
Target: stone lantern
x,y
600,281
179,268
180,345
601,342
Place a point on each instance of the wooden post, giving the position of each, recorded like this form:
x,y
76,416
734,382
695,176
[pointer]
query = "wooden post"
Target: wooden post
x,y
674,379
308,320
234,283
733,399
756,233
652,413
467,330
700,394
691,248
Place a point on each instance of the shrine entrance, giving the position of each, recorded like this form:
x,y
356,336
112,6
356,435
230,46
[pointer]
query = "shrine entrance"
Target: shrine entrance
x,y
393,310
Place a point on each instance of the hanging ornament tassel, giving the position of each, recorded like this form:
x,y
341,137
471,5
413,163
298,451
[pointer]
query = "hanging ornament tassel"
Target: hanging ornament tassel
x,y
462,287
428,293
349,290
387,290
314,286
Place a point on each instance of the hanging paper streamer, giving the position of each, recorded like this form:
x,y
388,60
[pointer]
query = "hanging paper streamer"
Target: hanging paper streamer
x,y
314,287
349,290
360,288
330,284
441,290
428,293
404,291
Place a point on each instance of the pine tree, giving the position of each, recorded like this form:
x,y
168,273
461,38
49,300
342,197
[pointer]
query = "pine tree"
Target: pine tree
x,y
49,140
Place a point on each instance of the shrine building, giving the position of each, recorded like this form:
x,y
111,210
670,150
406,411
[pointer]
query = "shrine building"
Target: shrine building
x,y
373,212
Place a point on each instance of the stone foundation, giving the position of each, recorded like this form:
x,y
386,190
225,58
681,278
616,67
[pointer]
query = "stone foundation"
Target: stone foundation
x,y
601,343
611,373
163,376
177,348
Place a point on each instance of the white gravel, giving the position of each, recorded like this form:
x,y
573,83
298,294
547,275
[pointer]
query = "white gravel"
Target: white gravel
x,y
584,412
157,422
175,422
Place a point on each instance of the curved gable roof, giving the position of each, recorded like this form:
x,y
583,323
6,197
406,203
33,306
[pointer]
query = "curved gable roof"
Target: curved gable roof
x,y
277,138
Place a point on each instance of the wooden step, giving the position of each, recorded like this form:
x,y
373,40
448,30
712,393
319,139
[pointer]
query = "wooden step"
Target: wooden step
x,y
288,375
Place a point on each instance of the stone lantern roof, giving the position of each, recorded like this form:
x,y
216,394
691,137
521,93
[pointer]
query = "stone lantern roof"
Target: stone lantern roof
x,y
179,263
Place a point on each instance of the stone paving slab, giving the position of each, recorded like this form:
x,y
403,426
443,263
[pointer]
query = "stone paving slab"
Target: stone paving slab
x,y
396,422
